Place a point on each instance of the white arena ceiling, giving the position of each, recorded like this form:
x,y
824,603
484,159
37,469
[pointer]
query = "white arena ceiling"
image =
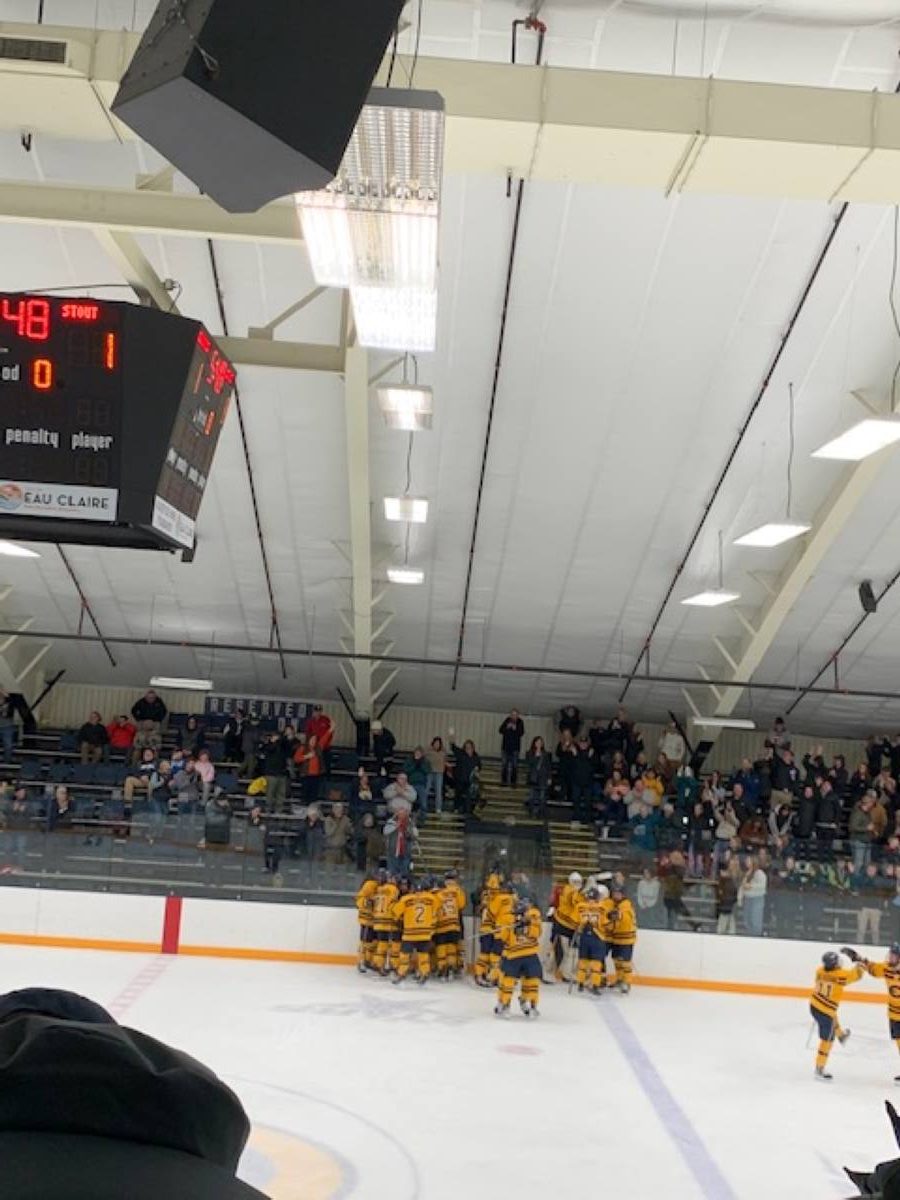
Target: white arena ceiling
x,y
640,328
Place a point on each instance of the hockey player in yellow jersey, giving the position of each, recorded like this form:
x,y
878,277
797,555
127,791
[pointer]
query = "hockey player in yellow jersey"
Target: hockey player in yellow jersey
x,y
831,979
562,916
486,929
619,932
416,914
520,937
501,908
364,898
889,971
448,940
592,949
384,924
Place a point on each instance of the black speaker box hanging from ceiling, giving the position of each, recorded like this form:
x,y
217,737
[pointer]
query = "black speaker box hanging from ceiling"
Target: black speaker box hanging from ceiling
x,y
867,597
252,101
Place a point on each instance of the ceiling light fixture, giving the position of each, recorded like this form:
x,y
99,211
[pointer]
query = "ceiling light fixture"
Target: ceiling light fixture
x,y
406,508
774,533
861,440
713,597
375,227
186,685
725,722
406,406
13,550
407,575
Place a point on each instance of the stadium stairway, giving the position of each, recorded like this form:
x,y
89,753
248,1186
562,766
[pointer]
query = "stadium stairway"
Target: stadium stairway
x,y
441,843
573,847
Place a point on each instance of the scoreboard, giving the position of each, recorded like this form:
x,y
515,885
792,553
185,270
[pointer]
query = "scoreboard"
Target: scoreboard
x,y
110,415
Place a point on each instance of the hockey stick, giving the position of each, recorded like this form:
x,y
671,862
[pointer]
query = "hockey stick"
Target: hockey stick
x,y
574,946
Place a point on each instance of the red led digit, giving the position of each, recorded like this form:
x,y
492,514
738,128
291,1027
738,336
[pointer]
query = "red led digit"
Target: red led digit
x,y
37,320
210,422
204,341
42,374
110,348
15,315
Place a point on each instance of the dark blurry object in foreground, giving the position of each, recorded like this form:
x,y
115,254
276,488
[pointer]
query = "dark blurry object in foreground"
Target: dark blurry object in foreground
x,y
90,1110
884,1181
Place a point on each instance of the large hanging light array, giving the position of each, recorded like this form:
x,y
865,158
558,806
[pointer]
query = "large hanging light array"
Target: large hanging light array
x,y
374,229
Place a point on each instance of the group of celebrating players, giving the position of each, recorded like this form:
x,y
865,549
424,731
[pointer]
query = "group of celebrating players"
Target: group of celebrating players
x,y
417,925
831,979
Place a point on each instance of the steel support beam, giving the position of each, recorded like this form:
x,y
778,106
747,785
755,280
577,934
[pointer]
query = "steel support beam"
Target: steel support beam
x,y
136,269
356,410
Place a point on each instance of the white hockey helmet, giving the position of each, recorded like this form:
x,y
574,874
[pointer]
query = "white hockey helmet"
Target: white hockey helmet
x,y
575,879
603,890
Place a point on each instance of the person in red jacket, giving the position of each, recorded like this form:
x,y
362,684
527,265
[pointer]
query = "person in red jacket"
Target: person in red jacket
x,y
121,735
322,726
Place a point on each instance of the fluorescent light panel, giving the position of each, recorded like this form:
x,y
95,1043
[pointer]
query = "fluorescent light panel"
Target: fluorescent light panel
x,y
725,722
861,440
403,319
187,685
13,550
711,599
406,406
775,533
406,508
407,575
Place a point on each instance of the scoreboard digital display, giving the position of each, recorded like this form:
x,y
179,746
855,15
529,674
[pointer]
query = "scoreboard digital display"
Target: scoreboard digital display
x,y
110,415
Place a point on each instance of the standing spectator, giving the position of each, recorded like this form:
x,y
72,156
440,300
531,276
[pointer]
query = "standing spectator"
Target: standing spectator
x,y
671,744
311,763
185,788
369,842
232,733
687,788
642,827
539,765
18,823
778,735
416,769
466,775
383,743
861,830
828,817
206,773
321,726
250,747
93,739
312,834
752,897
292,742
158,800
749,779
860,781
120,734
726,901
583,779
570,722
338,831
701,830
873,896
274,764
874,753
437,765
399,834
60,815
670,831
805,824
837,773
511,733
191,737
7,725
727,826
780,821
566,752
814,765
785,776
671,873
149,713
648,893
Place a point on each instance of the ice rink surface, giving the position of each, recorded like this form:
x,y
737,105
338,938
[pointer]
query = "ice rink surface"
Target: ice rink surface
x,y
361,1089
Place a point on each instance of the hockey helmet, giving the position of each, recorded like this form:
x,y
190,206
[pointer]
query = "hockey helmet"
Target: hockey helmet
x,y
592,893
602,891
831,960
575,879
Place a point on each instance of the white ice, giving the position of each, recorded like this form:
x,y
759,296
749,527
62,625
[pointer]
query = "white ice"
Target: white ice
x,y
361,1089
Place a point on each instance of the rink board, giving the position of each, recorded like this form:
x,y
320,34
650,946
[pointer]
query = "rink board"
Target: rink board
x,y
320,934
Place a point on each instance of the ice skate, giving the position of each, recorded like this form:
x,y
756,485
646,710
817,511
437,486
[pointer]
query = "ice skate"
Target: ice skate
x,y
501,1010
843,1036
823,1076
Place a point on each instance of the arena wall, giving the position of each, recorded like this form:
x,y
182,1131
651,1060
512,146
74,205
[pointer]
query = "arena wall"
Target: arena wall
x,y
309,933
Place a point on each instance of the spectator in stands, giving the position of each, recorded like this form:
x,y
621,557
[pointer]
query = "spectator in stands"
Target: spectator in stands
x,y
232,731
362,798
805,816
861,832
701,832
570,721
184,786
631,770
310,762
140,780
369,841
828,817
754,834
670,832
437,765
780,823
671,874
400,840
511,733
466,775
250,745
860,781
687,789
274,765
653,784
727,826
748,778
206,772
400,796
634,742
292,742
647,896
338,831
7,725
321,726
312,834
60,814
637,797
583,779
874,751
778,735
566,752
121,736
785,775
671,745
216,821
763,767
642,827
752,897
191,737
873,894
93,739
149,713
726,901
416,770
383,744
17,824
837,773
539,768
617,734
158,800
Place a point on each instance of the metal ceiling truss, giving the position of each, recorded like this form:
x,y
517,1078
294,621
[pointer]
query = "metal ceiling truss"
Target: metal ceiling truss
x,y
20,660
